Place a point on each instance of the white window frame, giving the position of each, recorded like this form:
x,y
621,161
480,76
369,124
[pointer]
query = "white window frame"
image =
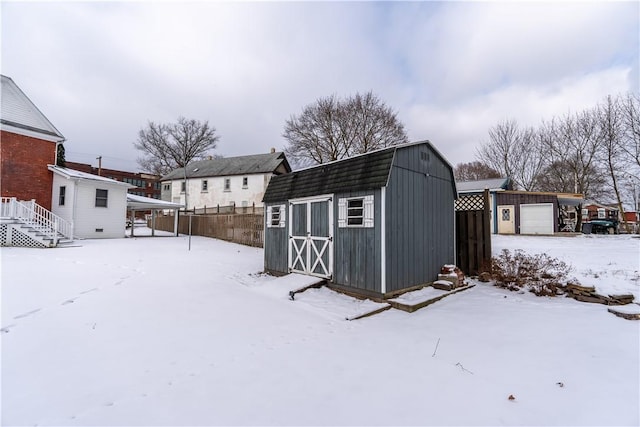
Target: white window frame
x,y
101,199
602,214
367,212
276,218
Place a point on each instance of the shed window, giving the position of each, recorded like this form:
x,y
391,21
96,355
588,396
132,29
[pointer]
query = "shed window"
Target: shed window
x,y
183,186
355,212
245,182
205,185
276,216
167,187
227,184
63,192
101,198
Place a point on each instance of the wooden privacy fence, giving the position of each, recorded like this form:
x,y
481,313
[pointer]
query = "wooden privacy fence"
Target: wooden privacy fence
x,y
246,229
473,233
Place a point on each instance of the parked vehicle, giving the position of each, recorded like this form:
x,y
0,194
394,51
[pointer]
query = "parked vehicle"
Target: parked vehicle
x,y
601,226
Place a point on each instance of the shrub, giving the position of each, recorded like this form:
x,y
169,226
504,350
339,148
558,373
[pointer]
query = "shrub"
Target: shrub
x,y
540,274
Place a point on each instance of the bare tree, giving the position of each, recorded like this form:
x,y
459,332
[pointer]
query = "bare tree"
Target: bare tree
x,y
169,146
630,110
514,152
332,129
612,154
571,149
474,171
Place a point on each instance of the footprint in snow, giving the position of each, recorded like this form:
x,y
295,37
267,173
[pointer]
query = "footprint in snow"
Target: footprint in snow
x,y
5,330
69,301
88,290
29,313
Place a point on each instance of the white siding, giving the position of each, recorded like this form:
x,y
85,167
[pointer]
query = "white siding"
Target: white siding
x,y
216,194
66,211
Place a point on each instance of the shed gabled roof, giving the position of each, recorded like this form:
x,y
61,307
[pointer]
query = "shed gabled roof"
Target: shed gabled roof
x,y
360,173
364,172
227,166
18,114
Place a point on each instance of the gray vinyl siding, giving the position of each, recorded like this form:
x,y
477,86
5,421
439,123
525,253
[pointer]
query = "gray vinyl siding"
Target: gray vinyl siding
x,y
276,240
420,218
357,261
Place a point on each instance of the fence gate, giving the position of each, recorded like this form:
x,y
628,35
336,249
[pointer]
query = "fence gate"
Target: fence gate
x,y
310,237
473,233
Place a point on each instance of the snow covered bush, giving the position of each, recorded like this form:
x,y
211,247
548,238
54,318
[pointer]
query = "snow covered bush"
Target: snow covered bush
x,y
540,274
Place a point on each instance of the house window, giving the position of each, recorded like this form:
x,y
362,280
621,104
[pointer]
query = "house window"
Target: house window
x,y
276,216
63,192
167,187
356,212
205,185
227,184
245,182
585,213
101,198
601,213
183,186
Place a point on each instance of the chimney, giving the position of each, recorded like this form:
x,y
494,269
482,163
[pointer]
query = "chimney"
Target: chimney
x,y
273,150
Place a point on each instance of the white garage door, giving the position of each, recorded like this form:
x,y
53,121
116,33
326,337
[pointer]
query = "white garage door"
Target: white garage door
x,y
536,218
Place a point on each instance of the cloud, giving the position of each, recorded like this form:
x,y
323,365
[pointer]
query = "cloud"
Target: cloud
x,y
100,70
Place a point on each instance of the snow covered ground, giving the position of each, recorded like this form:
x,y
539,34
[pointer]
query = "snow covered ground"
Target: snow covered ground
x,y
142,331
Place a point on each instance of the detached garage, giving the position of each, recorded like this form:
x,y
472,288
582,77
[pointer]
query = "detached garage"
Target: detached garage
x,y
374,224
524,212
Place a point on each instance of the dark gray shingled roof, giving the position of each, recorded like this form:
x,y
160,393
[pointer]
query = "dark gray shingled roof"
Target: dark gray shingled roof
x,y
226,166
360,173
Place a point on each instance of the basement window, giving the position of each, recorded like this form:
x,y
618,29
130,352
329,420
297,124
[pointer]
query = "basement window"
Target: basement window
x,y
101,198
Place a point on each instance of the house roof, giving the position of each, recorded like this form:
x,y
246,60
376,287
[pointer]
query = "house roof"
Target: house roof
x,y
19,115
226,166
135,202
364,172
481,185
78,175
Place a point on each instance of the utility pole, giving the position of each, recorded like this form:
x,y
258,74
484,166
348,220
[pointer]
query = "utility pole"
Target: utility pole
x,y
99,158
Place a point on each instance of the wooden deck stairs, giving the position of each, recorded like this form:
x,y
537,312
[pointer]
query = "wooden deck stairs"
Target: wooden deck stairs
x,y
27,224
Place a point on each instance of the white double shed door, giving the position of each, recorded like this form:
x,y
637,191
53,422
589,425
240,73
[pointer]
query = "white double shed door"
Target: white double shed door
x,y
311,236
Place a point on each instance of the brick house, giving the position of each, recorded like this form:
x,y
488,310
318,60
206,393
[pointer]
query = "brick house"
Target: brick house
x,y
28,143
144,184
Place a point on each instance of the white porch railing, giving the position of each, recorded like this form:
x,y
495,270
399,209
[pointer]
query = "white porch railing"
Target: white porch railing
x,y
37,217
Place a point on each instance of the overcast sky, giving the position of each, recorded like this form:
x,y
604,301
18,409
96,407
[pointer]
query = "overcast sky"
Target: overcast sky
x,y
452,70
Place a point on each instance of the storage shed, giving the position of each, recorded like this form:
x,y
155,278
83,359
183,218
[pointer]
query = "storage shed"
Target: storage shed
x,y
374,224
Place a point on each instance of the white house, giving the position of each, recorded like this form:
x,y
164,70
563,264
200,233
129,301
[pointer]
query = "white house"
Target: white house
x,y
239,181
97,206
